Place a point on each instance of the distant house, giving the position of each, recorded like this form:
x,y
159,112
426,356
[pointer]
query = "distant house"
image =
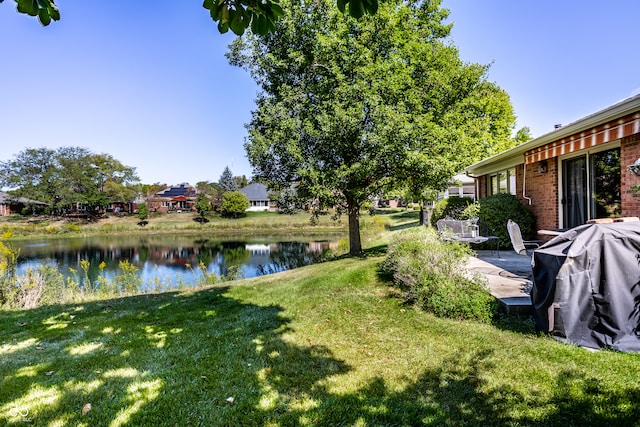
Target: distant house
x,y
119,207
388,203
258,196
15,205
173,199
461,186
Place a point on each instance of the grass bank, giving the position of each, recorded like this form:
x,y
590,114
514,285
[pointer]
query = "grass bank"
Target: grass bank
x,y
322,345
254,222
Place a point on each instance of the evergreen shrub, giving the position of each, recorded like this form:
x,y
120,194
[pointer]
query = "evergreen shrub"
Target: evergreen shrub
x,y
496,210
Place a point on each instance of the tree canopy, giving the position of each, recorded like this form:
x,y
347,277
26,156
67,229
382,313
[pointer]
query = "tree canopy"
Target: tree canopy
x,y
68,176
349,109
237,15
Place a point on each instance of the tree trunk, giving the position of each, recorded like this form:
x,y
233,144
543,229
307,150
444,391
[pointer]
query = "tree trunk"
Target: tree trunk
x,y
355,245
423,215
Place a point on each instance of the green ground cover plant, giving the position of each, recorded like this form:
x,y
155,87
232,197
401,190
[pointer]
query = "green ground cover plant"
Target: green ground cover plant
x,y
433,276
303,347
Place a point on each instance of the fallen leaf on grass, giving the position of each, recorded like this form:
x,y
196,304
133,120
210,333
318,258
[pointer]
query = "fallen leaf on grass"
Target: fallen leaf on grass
x,y
86,408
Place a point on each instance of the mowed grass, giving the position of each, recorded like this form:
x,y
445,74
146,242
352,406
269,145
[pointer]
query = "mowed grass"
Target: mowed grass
x,y
323,345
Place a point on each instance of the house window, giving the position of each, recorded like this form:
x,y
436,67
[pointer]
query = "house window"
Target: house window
x,y
502,182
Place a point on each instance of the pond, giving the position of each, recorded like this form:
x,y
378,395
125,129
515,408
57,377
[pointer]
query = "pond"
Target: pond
x,y
170,261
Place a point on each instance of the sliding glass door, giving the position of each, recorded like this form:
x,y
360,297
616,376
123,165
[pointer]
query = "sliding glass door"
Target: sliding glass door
x,y
591,187
574,198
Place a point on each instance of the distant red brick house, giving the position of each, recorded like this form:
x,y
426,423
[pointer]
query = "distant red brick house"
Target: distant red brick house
x,y
573,174
15,205
173,199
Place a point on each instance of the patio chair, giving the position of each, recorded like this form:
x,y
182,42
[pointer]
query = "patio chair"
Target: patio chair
x,y
521,246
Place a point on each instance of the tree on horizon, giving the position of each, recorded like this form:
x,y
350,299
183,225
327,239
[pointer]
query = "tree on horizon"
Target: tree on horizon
x,y
227,182
68,176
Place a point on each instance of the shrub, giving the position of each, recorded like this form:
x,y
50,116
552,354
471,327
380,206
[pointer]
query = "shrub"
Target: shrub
x,y
234,204
203,207
128,281
450,207
70,228
496,210
44,285
433,276
143,214
8,265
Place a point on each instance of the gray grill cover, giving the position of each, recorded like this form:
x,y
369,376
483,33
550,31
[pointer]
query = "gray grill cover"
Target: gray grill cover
x,y
586,286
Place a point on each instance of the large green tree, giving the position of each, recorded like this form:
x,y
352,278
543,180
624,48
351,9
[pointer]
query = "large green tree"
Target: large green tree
x,y
349,109
237,15
68,176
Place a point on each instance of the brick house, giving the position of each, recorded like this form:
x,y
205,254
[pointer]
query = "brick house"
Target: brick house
x,y
173,199
573,174
16,205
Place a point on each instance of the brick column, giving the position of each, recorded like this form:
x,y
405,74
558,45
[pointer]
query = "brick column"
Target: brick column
x,y
629,153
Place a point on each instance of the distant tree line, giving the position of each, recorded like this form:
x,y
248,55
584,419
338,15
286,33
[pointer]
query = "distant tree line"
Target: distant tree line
x,y
72,179
69,178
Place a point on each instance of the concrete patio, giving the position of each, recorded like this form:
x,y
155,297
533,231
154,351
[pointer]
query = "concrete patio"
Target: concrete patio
x,y
509,278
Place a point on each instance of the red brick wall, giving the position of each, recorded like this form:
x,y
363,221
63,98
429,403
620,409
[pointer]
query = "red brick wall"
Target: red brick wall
x,y
629,153
542,189
482,184
5,210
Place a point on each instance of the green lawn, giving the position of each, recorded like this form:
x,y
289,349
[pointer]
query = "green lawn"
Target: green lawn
x,y
323,345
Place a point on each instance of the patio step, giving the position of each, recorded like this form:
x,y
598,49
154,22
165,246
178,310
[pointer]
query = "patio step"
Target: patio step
x,y
508,276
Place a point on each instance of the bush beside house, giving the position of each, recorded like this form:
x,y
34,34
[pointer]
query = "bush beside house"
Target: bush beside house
x,y
496,210
452,206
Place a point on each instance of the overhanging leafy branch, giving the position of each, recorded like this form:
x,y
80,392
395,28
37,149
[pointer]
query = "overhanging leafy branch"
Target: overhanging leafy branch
x,y
234,15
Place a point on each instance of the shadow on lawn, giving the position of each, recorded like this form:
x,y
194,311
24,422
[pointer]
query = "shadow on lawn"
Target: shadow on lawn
x,y
200,358
404,226
176,359
456,395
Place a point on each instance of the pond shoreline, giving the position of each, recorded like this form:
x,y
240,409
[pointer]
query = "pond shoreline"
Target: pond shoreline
x,y
164,261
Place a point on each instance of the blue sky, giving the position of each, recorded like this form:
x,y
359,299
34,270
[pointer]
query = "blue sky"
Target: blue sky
x,y
147,81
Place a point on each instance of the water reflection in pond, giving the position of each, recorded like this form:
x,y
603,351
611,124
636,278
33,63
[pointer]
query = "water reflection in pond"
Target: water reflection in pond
x,y
170,260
